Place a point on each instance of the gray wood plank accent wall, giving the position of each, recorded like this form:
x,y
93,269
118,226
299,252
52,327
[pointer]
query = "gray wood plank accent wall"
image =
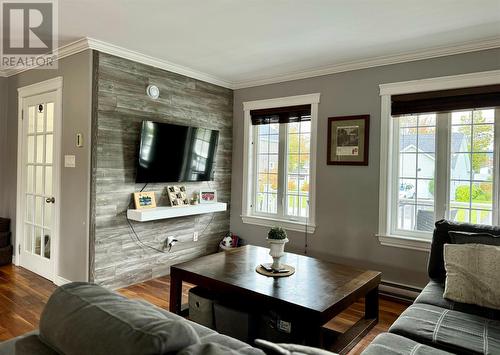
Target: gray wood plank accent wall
x,y
120,102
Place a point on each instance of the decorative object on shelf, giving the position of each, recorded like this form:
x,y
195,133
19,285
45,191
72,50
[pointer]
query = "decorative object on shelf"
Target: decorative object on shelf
x,y
153,92
348,140
195,199
177,196
208,196
144,200
277,239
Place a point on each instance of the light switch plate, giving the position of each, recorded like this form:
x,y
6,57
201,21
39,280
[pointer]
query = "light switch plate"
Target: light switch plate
x,y
69,161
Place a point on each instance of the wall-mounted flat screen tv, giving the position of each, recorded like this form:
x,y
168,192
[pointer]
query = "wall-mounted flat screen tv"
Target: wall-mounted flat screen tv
x,y
174,153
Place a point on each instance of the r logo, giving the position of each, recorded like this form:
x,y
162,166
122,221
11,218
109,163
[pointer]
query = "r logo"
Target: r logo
x,y
27,28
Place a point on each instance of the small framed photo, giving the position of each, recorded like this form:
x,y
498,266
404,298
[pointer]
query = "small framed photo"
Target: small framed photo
x,y
144,200
208,196
177,196
348,140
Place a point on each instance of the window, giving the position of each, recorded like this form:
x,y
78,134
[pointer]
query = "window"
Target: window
x,y
279,162
440,155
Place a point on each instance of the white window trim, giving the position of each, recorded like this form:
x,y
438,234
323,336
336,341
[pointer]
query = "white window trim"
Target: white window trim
x,y
388,160
248,156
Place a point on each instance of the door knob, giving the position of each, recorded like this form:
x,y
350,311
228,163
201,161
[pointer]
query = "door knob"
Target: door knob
x,y
50,200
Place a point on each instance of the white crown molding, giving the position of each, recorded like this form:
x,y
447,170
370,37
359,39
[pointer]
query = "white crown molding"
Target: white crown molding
x,y
377,62
155,62
491,77
90,43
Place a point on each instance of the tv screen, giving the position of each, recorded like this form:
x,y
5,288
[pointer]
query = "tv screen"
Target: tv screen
x,y
173,153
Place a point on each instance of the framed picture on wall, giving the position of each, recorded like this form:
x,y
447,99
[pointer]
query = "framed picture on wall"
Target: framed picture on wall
x,y
348,140
144,200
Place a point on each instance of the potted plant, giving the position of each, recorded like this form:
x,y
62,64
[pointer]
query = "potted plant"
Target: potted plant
x,y
277,240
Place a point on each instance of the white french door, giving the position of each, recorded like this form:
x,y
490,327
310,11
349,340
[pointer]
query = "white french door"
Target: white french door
x,y
38,200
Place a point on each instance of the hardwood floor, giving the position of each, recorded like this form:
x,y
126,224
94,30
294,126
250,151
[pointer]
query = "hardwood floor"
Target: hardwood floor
x,y
24,294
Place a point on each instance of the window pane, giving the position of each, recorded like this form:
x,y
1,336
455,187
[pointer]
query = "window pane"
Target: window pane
x,y
482,165
293,184
407,190
31,149
294,127
406,216
264,129
408,121
261,202
272,183
273,144
483,138
482,195
303,207
39,180
50,117
304,184
305,143
426,165
425,192
305,126
425,218
293,164
459,215
427,120
461,138
481,217
263,163
408,165
272,203
408,140
48,149
460,194
262,183
427,139
293,205
263,144
39,119
304,164
460,166
273,164
274,128
484,116
39,149
31,119
293,143
462,117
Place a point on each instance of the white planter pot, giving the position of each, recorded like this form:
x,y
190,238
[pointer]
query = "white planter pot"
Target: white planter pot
x,y
276,250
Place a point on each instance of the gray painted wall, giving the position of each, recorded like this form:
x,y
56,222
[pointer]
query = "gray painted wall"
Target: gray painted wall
x,y
121,104
76,71
347,196
3,146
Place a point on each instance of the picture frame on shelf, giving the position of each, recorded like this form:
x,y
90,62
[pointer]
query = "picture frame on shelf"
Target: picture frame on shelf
x,y
177,196
348,140
208,196
144,200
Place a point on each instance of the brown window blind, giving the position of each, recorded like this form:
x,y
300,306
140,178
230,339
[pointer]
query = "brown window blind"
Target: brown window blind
x,y
446,100
281,115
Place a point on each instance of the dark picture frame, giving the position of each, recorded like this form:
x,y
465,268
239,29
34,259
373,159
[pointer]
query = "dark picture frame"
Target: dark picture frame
x,y
348,140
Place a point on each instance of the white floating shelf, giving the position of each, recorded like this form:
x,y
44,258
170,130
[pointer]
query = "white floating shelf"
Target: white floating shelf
x,y
152,214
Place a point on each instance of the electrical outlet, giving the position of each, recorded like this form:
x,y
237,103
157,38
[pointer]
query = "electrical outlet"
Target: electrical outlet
x,y
195,236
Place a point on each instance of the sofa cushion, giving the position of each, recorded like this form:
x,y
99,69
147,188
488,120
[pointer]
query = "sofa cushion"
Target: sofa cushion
x,y
433,294
449,330
472,274
392,344
32,344
474,238
441,236
216,349
289,349
207,335
81,318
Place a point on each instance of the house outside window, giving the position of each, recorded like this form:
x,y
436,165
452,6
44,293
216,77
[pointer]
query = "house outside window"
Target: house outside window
x,y
279,162
439,157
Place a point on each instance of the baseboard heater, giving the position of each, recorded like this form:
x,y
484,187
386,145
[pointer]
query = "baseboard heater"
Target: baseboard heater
x,y
399,291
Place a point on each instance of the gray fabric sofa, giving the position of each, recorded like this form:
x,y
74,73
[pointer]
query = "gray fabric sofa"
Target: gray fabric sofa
x,y
86,319
435,325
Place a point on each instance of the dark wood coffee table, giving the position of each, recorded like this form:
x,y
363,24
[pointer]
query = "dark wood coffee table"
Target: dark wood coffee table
x,y
317,292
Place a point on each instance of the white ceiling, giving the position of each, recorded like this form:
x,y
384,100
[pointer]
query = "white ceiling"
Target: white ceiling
x,y
240,41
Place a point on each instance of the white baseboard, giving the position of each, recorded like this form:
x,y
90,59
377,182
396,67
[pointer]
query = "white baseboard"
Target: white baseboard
x,y
397,290
59,281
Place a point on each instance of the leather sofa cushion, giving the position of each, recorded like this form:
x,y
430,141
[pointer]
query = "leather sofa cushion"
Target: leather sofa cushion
x,y
82,318
392,344
441,236
32,344
449,330
433,294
